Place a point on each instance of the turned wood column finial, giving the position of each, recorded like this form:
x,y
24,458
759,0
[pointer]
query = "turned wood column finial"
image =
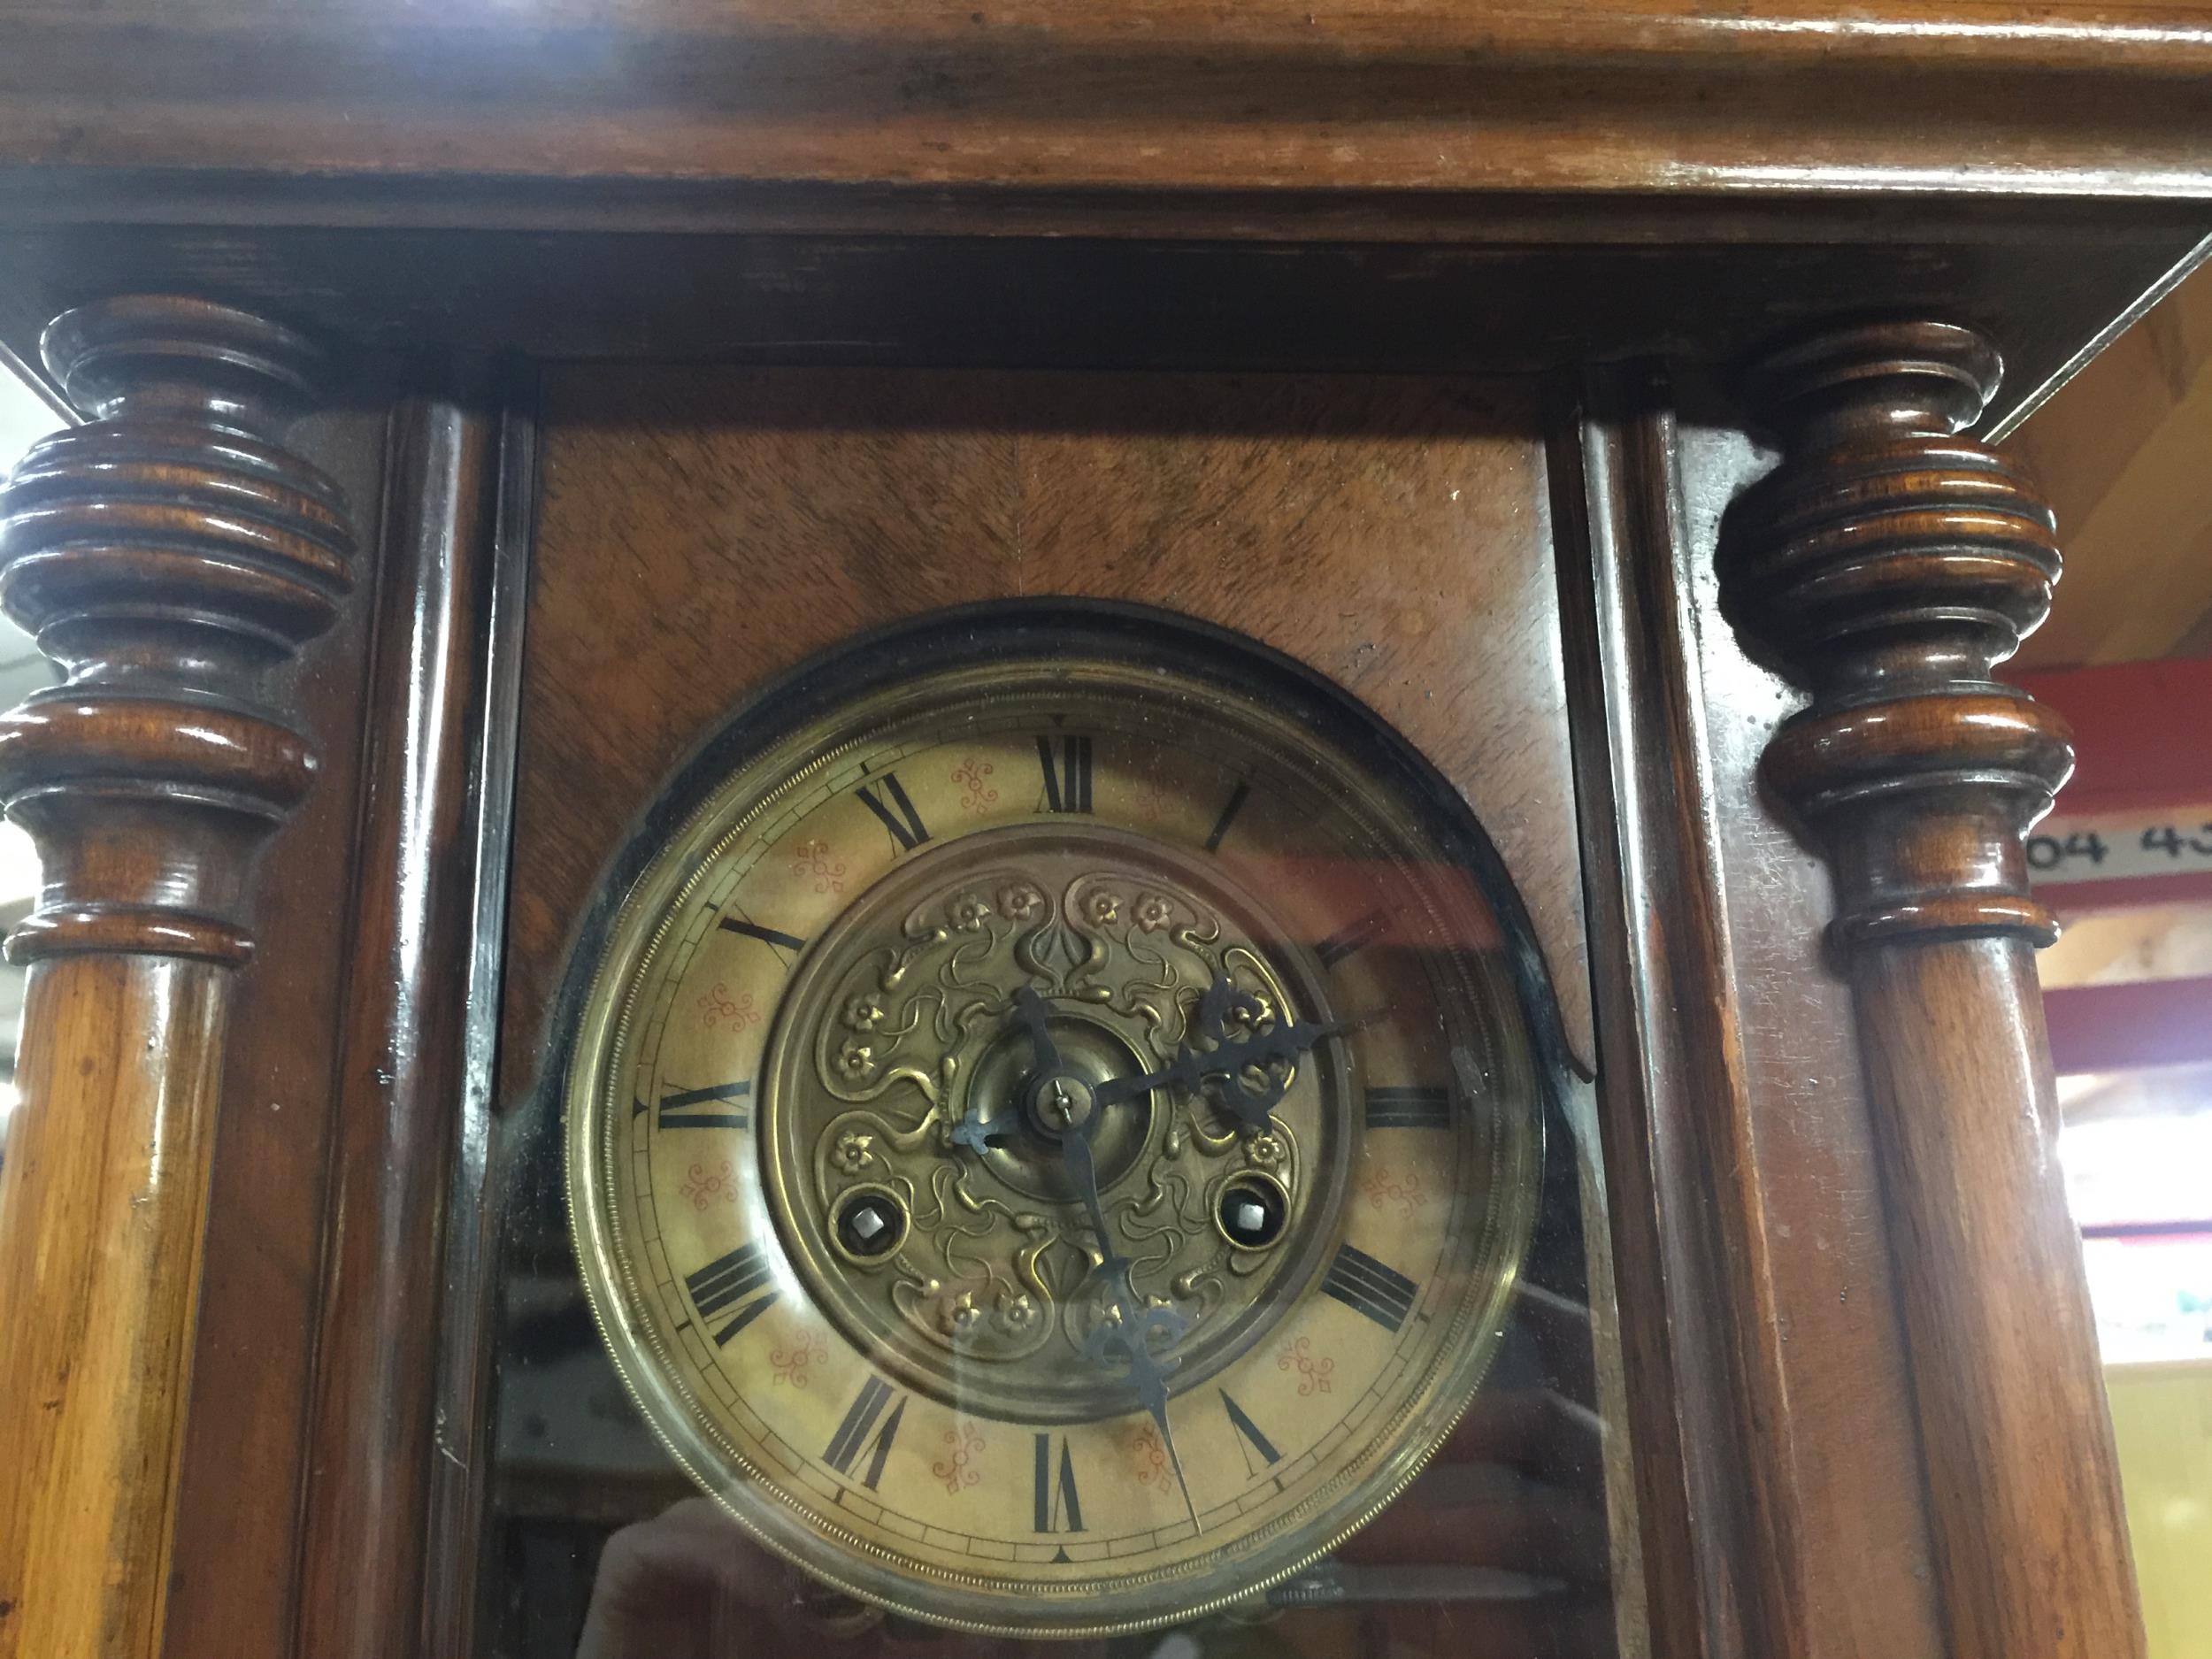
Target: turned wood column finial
x,y
167,556
1887,565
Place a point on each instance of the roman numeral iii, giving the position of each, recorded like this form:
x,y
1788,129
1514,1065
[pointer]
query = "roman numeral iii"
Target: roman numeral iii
x,y
1067,767
1409,1109
895,810
1365,1286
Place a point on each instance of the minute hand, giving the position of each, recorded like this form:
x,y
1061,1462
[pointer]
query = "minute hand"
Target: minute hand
x,y
1229,1061
1148,1377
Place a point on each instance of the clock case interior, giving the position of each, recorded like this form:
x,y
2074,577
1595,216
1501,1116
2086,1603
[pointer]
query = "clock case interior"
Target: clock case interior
x,y
1398,486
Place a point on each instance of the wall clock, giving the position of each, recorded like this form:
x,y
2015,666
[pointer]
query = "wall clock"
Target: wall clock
x,y
972,1102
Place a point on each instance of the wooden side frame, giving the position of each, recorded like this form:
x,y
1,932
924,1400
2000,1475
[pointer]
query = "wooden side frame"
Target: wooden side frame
x,y
1758,1304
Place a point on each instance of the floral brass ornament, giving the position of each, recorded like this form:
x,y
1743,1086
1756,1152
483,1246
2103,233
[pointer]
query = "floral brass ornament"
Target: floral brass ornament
x,y
909,1073
939,1272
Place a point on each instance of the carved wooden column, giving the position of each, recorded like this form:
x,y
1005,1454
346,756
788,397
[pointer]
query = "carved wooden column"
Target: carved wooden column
x,y
168,555
1889,564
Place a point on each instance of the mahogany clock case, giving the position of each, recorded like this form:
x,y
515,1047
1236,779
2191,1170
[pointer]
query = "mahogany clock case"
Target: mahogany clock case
x,y
570,574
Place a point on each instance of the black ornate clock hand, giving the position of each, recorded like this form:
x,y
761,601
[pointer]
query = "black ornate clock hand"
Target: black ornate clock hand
x,y
1228,1060
1077,1118
1148,1377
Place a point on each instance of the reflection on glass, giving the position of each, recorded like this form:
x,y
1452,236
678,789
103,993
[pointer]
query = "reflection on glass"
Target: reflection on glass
x,y
1058,1140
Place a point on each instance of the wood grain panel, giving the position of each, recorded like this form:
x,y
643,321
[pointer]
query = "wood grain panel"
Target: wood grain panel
x,y
702,533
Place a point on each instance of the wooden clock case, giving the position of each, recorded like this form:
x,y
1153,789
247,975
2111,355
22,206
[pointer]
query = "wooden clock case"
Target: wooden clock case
x,y
481,411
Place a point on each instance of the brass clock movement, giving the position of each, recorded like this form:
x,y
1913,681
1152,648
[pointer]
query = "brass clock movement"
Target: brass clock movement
x,y
1051,1136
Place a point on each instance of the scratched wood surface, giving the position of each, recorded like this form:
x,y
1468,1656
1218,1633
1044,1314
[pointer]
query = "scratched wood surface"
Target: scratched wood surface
x,y
700,532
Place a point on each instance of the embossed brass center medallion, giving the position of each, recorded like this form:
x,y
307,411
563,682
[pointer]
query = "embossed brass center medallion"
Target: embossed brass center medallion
x,y
894,1065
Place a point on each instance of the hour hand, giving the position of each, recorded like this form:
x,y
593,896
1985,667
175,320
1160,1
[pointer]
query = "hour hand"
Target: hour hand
x,y
1035,1018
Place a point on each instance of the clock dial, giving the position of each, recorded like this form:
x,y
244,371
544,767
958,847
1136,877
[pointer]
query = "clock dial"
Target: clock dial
x,y
1052,1136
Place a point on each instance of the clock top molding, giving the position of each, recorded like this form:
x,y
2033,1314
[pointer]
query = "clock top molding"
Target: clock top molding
x,y
1059,96
1462,185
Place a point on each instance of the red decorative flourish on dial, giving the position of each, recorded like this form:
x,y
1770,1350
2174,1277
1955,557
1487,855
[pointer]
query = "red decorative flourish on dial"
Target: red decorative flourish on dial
x,y
702,1185
1150,1456
957,1469
717,1005
1407,1191
1313,1374
791,1364
811,860
975,795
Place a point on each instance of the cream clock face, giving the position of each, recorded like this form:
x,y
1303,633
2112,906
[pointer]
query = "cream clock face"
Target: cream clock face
x,y
1052,1136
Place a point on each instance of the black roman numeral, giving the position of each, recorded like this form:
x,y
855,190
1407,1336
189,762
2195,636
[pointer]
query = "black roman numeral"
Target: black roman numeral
x,y
1249,1439
1237,798
896,812
680,1108
1058,1508
1350,937
1409,1109
859,1433
1067,764
729,1280
1365,1286
774,938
